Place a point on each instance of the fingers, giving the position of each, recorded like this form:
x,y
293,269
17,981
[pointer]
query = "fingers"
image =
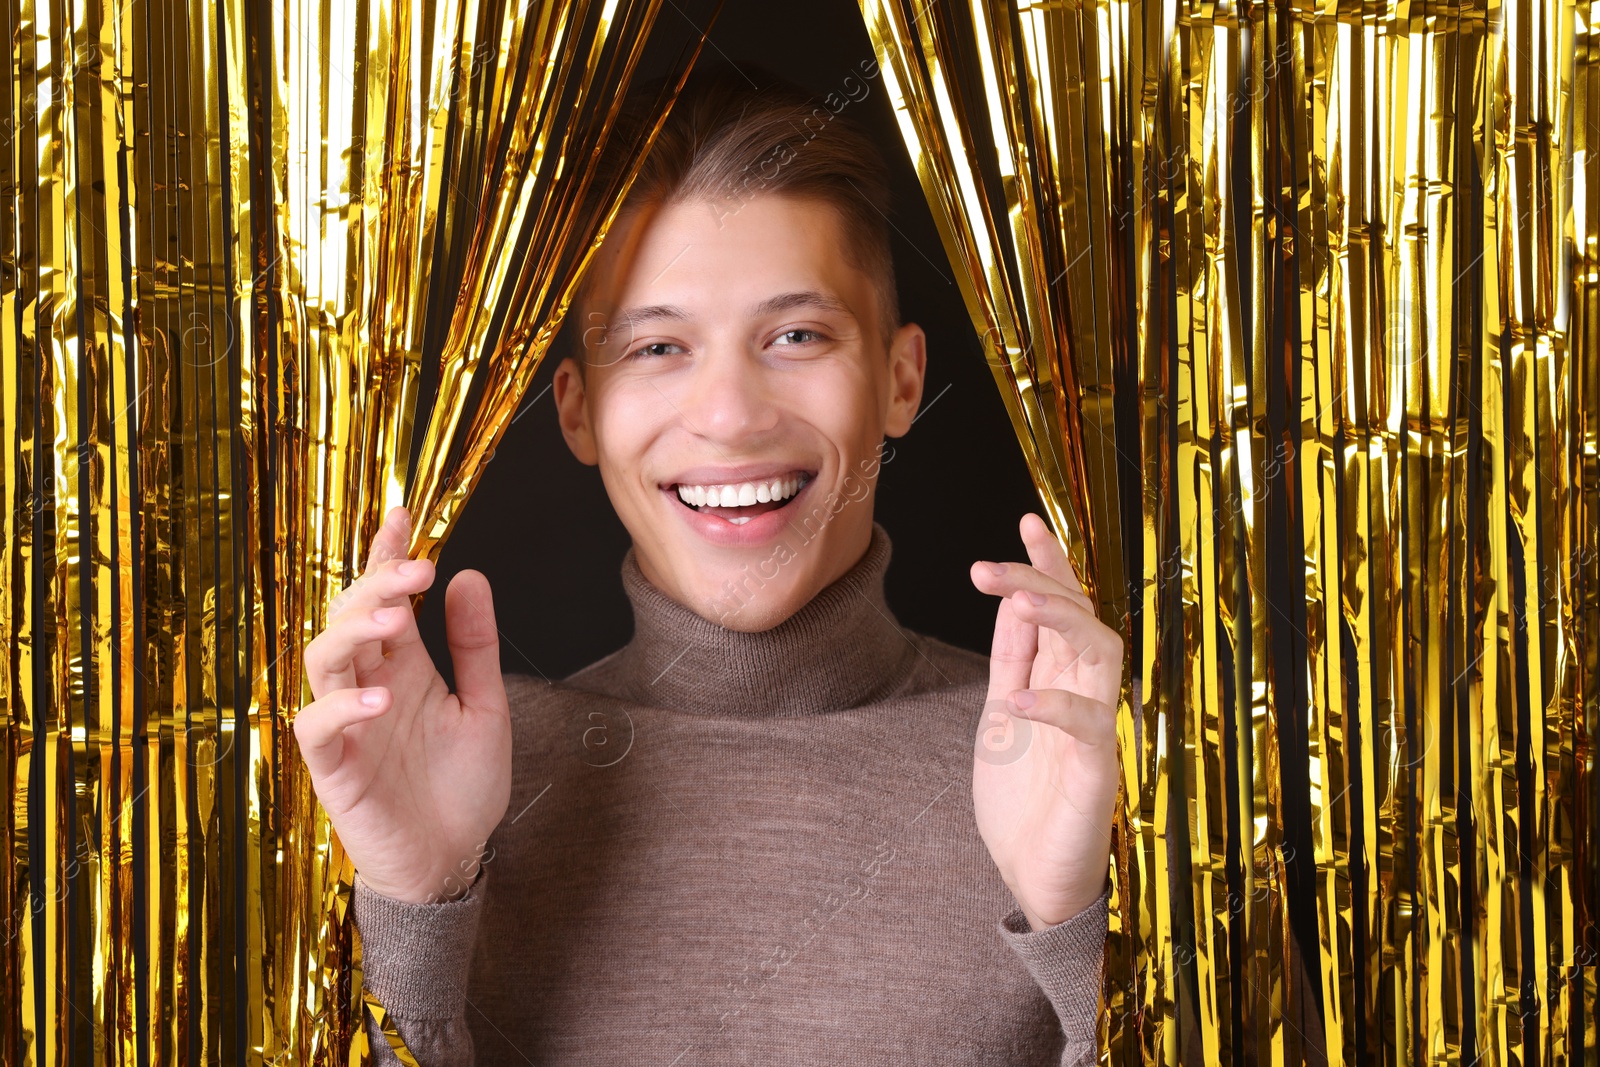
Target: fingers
x,y
391,540
1046,552
388,584
379,615
474,641
320,725
1074,622
389,574
1006,579
1087,720
1011,656
1051,571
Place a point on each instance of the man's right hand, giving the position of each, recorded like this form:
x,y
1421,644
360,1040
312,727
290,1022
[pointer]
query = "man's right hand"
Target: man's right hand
x,y
412,776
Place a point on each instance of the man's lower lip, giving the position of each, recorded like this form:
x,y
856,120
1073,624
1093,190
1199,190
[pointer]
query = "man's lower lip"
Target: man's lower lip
x,y
759,529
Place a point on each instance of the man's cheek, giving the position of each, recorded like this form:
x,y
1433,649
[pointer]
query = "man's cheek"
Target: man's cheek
x,y
623,434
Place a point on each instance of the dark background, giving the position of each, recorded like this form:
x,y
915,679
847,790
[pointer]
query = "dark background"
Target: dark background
x,y
540,525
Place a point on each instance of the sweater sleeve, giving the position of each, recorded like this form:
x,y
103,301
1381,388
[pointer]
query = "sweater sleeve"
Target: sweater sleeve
x,y
1067,960
415,960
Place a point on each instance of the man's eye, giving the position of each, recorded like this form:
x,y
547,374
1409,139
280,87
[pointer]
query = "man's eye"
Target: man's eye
x,y
660,348
797,337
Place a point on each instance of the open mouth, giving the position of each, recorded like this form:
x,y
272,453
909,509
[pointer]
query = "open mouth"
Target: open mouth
x,y
739,502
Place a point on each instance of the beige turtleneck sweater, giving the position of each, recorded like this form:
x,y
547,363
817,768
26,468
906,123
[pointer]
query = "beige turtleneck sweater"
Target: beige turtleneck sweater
x,y
740,848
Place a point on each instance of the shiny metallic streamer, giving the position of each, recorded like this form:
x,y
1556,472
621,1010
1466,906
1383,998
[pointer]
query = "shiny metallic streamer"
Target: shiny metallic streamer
x,y
1295,308
390,1033
245,247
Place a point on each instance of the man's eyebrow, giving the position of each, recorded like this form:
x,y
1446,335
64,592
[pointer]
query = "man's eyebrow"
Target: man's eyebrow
x,y
635,317
805,298
638,316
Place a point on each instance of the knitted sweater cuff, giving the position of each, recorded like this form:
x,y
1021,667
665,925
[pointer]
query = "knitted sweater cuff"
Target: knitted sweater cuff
x,y
415,958
1066,960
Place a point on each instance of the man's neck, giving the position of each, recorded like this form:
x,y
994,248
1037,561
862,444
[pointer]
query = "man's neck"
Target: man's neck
x,y
842,648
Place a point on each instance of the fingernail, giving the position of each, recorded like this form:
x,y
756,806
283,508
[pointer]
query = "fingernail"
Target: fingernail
x,y
1024,698
383,615
372,697
1036,598
408,568
996,568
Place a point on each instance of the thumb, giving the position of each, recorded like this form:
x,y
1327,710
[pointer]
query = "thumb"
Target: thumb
x,y
474,641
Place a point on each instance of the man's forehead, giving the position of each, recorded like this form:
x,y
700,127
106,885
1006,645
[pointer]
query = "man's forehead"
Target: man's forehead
x,y
691,263
797,239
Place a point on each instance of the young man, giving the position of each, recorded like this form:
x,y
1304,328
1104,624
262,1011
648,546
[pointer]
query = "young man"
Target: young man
x,y
746,835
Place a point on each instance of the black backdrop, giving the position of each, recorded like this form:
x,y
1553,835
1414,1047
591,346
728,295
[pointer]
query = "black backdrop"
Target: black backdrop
x,y
540,525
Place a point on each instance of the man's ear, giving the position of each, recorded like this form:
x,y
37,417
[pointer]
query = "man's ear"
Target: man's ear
x,y
908,366
573,412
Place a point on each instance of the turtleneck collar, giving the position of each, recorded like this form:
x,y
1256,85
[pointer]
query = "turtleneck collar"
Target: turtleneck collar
x,y
842,649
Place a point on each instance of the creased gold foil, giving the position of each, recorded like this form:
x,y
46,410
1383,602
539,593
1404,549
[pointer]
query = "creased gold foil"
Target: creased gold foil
x,y
387,1028
1296,312
245,247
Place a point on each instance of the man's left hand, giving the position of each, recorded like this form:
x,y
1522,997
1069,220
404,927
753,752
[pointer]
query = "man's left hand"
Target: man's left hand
x,y
1044,771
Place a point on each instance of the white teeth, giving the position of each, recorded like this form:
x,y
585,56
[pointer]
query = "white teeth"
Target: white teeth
x,y
741,495
738,520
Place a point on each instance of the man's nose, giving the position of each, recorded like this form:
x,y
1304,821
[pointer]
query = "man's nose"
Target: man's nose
x,y
729,397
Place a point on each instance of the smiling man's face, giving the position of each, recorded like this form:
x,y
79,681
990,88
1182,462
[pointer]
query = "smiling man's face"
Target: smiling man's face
x,y
736,393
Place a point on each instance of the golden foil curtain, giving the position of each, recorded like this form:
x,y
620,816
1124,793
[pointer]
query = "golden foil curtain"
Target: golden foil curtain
x,y
1295,308
246,246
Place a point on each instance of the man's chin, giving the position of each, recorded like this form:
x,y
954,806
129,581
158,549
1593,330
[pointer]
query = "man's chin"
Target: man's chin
x,y
757,616
754,594
753,598
753,587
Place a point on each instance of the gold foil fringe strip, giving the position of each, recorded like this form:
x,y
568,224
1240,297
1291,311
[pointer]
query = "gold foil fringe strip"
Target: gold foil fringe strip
x,y
1310,290
234,236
